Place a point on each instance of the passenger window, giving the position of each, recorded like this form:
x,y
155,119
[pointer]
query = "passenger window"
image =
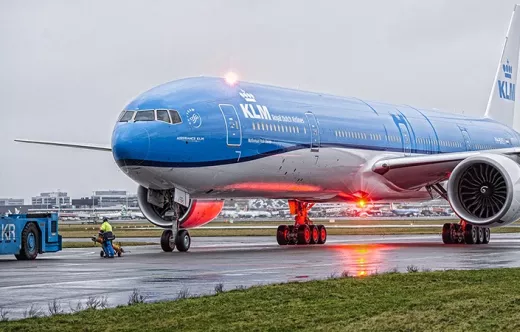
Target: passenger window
x,y
162,115
145,116
176,118
127,116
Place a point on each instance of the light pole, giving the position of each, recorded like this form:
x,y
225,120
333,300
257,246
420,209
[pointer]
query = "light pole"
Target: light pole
x,y
59,202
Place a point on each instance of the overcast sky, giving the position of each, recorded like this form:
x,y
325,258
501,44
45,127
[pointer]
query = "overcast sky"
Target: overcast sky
x,y
67,68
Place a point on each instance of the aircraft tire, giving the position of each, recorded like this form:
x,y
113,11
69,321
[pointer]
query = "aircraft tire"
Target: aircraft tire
x,y
183,240
304,234
486,235
282,235
446,233
322,234
294,238
315,235
480,235
167,243
470,234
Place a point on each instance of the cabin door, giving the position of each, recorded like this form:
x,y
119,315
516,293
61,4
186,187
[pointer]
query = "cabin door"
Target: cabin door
x,y
314,131
233,129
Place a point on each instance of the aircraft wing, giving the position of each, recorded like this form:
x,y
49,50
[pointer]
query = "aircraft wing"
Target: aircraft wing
x,y
417,171
68,145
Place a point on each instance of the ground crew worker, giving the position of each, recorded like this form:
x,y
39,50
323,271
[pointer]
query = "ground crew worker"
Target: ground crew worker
x,y
106,231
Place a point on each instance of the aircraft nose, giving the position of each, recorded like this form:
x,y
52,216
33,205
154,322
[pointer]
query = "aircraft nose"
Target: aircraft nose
x,y
130,144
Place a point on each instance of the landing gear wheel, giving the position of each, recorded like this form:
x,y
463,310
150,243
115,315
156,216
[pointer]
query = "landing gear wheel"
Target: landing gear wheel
x,y
304,234
30,243
446,233
486,232
183,240
293,238
282,235
470,234
315,236
322,234
167,242
480,235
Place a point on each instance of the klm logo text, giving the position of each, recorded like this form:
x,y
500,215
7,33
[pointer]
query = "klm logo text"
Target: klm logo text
x,y
506,90
8,232
255,111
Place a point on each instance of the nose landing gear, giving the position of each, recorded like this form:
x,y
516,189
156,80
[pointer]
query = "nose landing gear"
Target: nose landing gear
x,y
181,241
303,232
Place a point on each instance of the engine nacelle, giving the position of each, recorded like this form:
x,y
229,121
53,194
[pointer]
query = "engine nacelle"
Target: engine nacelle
x,y
196,214
484,190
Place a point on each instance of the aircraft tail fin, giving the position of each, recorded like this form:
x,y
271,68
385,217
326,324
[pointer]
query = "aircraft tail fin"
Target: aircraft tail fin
x,y
501,104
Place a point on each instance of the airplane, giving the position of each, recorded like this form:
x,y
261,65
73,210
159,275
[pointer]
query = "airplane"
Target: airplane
x,y
191,143
254,214
124,213
16,211
406,212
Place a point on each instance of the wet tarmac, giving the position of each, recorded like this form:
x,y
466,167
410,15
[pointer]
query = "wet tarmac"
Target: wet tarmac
x,y
74,275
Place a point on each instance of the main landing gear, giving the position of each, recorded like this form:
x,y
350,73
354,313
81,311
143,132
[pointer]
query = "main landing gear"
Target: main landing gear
x,y
303,231
464,232
182,240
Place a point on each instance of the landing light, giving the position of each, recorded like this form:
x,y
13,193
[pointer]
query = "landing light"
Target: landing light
x,y
361,203
231,78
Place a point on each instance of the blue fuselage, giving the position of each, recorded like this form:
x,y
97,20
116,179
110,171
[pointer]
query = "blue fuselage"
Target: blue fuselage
x,y
223,124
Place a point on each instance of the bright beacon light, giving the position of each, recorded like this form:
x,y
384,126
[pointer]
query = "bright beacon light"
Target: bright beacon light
x,y
231,78
362,203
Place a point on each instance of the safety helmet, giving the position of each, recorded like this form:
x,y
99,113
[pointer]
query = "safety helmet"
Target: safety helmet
x,y
105,219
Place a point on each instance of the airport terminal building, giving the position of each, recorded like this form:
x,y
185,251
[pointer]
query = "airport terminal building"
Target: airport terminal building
x,y
108,198
11,201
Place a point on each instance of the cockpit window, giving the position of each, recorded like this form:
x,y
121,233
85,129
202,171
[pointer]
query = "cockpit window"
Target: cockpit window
x,y
162,115
176,118
127,116
145,116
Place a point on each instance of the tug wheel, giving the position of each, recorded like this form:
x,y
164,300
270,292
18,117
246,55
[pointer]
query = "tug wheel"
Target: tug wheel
x,y
30,243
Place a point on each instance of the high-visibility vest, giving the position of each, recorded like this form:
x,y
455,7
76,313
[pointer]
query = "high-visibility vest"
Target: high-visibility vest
x,y
105,227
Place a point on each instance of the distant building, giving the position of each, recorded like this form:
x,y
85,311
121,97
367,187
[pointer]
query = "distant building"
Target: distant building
x,y
11,201
85,202
52,199
109,198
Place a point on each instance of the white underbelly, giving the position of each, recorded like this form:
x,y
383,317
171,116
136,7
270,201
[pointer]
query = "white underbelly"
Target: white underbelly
x,y
301,174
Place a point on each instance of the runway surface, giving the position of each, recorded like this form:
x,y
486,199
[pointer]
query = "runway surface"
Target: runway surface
x,y
75,274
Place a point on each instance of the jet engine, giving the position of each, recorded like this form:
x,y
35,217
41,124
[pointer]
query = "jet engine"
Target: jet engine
x,y
484,190
160,209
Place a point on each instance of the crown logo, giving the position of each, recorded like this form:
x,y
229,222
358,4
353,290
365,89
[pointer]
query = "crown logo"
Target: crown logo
x,y
247,96
508,69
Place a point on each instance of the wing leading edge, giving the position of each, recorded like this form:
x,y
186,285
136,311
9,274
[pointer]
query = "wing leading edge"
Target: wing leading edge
x,y
418,171
68,145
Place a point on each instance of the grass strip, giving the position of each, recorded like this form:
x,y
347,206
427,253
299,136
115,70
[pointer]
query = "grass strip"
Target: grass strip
x,y
197,232
475,300
79,244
